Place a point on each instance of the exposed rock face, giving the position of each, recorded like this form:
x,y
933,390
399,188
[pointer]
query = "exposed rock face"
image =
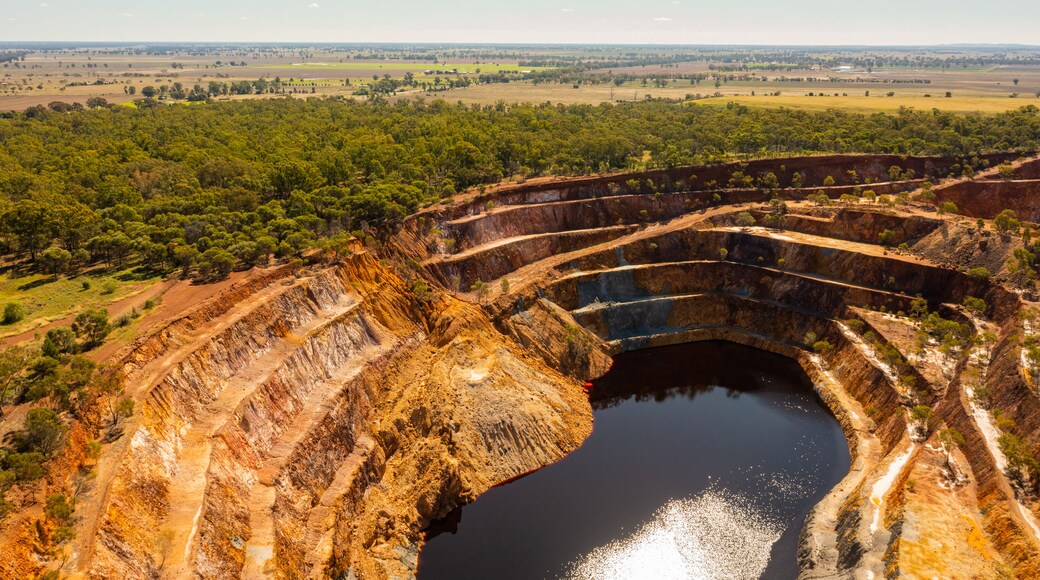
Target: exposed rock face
x,y
313,426
689,272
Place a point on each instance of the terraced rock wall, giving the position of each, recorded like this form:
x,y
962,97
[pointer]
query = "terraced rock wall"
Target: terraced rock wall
x,y
315,429
632,269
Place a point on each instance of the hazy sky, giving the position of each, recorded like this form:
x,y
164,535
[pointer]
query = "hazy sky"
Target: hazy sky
x,y
571,21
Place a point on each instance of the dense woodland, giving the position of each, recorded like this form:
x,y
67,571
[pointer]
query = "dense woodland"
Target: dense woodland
x,y
211,187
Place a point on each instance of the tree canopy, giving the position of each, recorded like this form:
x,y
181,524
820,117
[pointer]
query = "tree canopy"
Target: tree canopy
x,y
255,179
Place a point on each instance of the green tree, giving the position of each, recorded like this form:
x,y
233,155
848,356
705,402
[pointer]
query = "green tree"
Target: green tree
x,y
288,176
27,467
31,225
74,223
59,341
91,327
13,365
55,260
44,431
1006,222
186,257
216,264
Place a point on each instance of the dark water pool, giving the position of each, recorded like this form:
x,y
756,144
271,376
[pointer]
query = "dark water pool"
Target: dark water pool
x,y
704,461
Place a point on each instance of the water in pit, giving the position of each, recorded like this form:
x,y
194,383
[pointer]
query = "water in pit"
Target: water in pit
x,y
704,461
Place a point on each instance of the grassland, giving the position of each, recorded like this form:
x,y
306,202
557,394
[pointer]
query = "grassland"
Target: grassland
x,y
47,299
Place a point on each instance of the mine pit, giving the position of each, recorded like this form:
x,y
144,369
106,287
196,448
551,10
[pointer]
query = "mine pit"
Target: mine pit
x,y
704,461
597,342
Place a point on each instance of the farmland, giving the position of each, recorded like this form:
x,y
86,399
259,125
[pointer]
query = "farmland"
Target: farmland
x,y
879,104
989,79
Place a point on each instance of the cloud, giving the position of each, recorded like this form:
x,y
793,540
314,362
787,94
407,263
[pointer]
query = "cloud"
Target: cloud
x,y
567,10
313,5
243,18
128,15
661,19
44,5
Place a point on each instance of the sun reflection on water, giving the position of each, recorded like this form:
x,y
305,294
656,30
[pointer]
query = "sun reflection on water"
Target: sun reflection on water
x,y
716,535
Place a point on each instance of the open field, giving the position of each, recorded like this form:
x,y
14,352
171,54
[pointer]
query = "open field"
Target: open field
x,y
403,67
557,93
46,299
861,104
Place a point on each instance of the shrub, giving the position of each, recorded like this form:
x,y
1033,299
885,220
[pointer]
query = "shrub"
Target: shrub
x,y
481,289
980,273
13,312
886,238
822,346
59,508
855,324
421,289
951,437
974,305
744,220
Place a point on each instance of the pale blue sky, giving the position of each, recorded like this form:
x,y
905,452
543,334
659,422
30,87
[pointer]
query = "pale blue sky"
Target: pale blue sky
x,y
528,21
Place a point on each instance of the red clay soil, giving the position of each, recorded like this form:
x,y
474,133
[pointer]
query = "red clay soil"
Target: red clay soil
x,y
177,296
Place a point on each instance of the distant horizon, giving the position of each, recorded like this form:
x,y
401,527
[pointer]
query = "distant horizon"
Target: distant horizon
x,y
884,23
309,43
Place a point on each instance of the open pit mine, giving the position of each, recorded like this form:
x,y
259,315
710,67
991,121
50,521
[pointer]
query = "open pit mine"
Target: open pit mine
x,y
314,423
